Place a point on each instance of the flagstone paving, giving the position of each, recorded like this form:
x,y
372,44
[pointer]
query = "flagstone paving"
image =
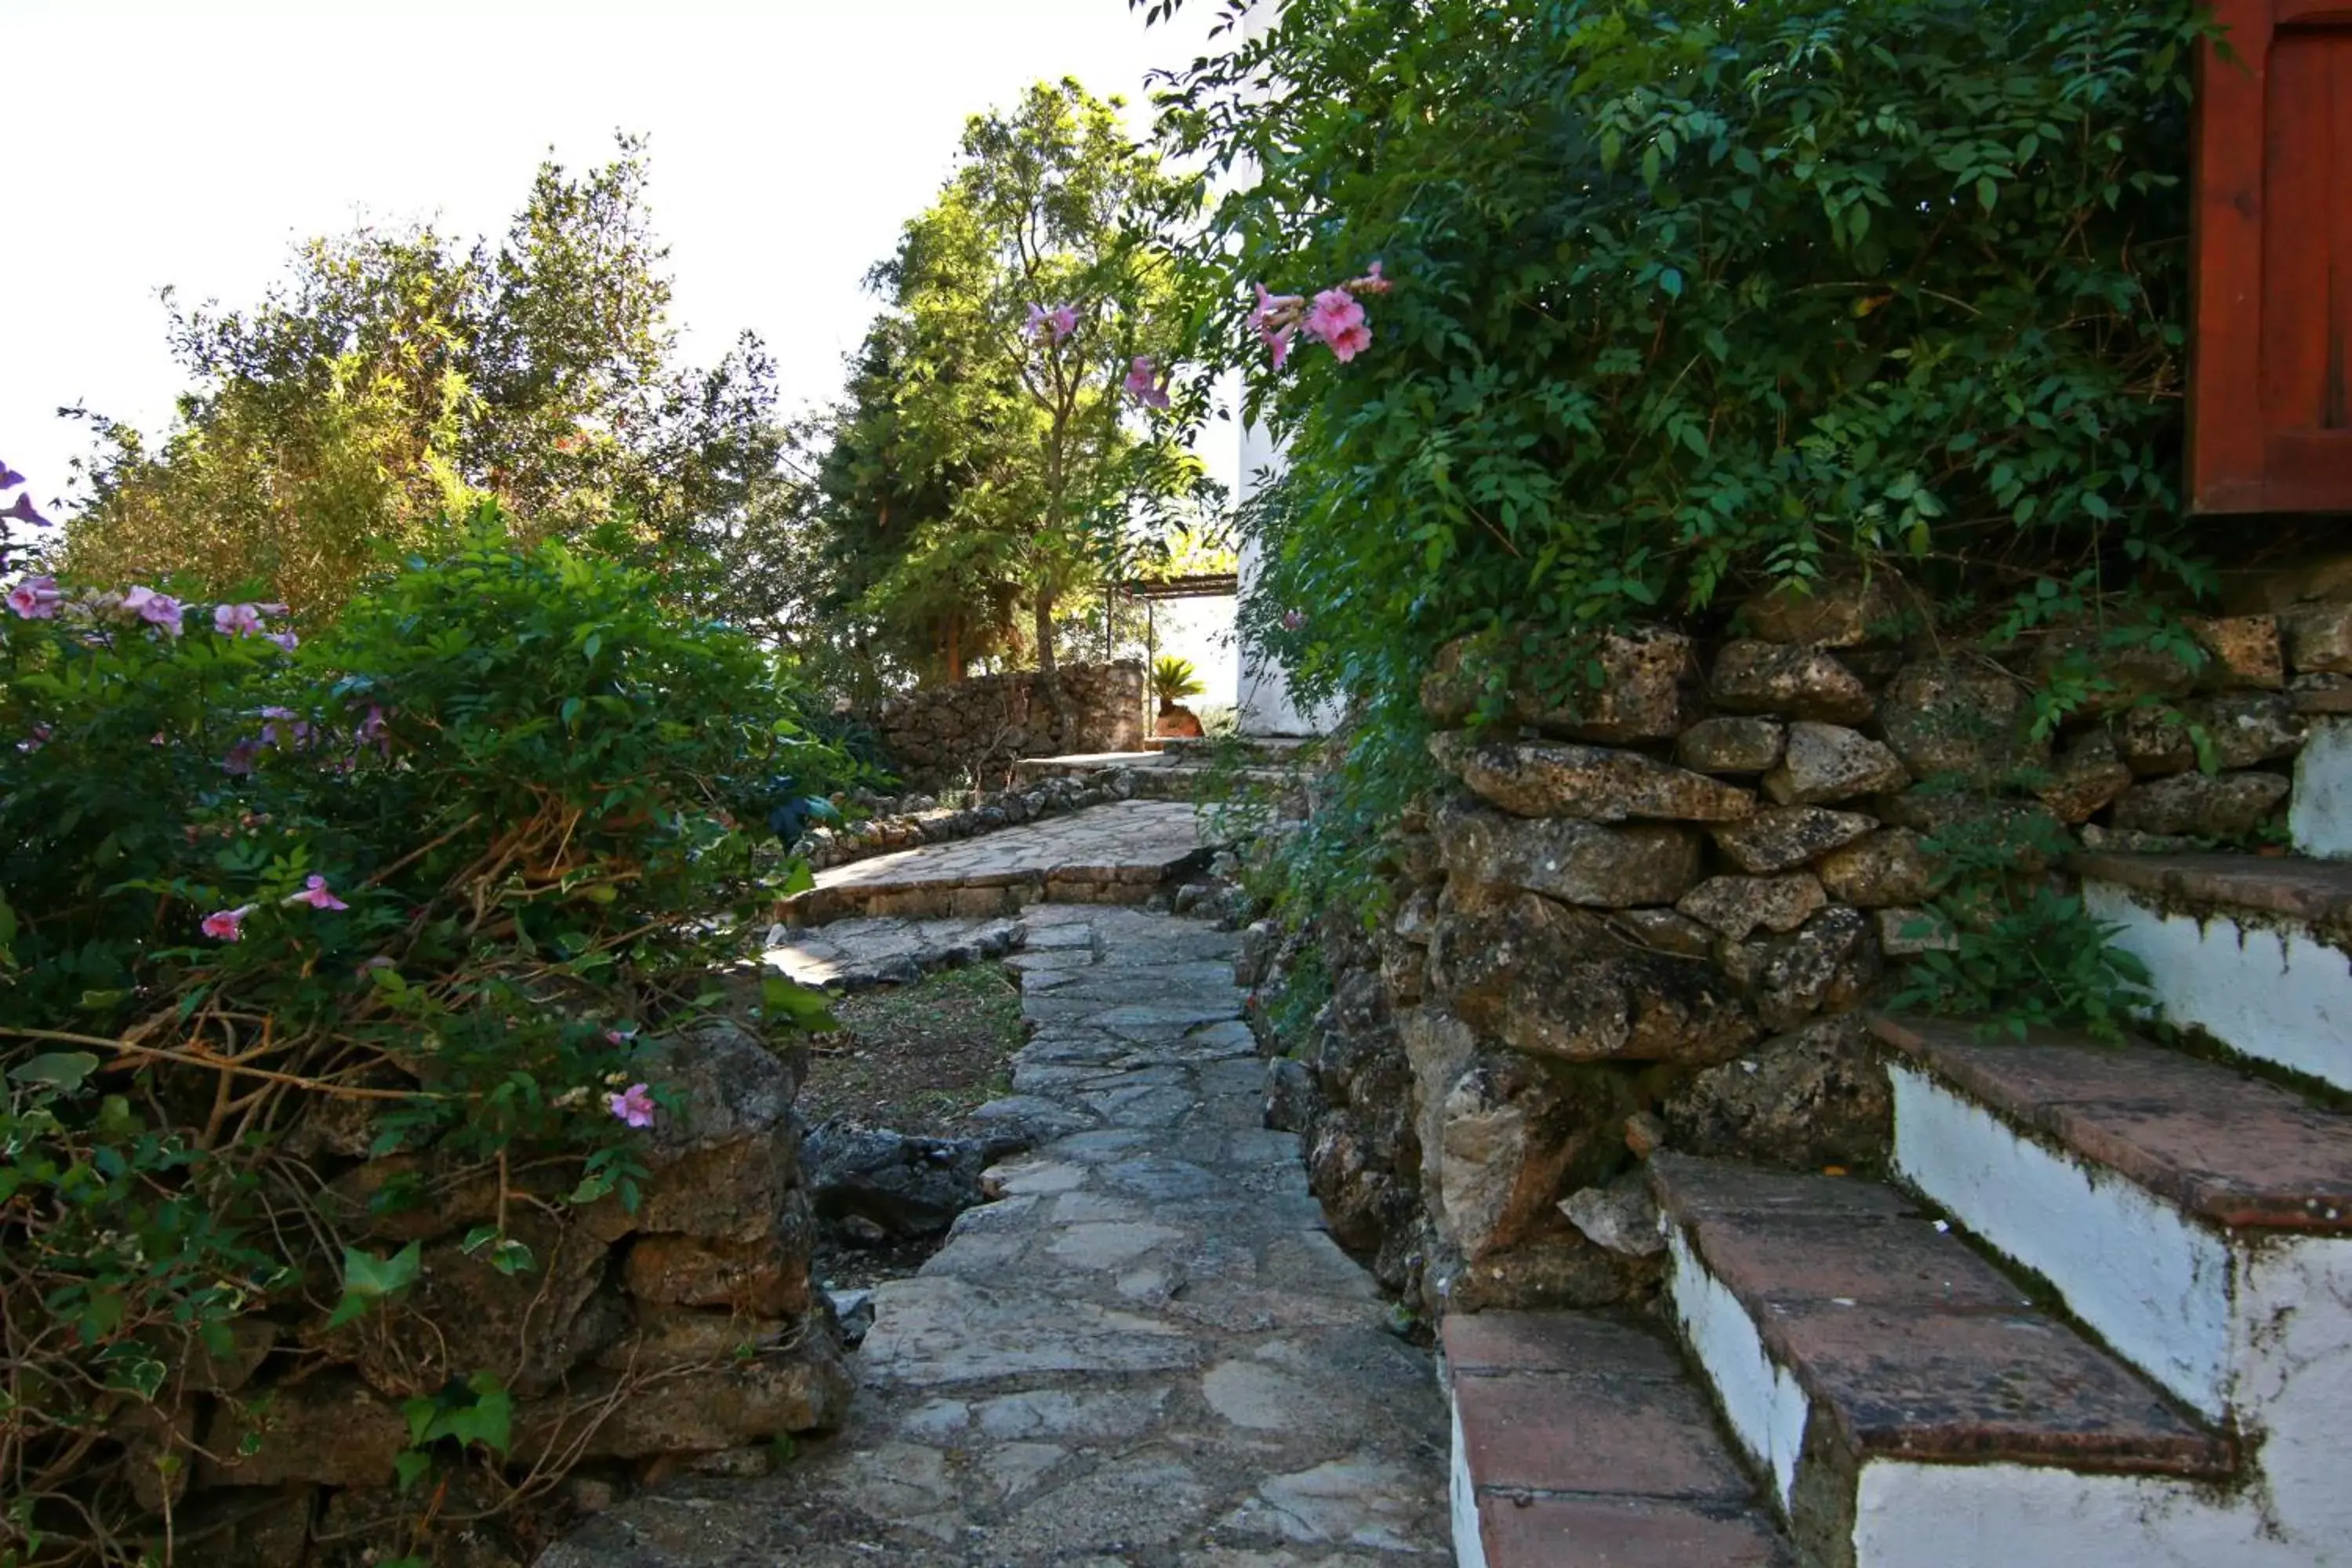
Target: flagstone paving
x,y
1112,854
1145,1354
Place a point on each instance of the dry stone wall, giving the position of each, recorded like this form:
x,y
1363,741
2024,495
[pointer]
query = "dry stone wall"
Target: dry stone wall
x,y
948,736
1646,916
685,1334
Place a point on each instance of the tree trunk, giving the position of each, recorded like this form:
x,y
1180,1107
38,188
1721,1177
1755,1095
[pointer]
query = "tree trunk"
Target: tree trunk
x,y
1049,680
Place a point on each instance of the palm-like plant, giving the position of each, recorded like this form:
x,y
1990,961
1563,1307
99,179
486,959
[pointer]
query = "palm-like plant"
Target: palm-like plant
x,y
1173,679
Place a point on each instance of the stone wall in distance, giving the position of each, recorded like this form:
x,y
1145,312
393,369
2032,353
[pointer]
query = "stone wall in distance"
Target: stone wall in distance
x,y
945,737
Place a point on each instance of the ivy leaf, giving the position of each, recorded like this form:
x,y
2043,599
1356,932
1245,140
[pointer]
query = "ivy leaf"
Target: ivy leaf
x,y
409,1467
368,1279
61,1070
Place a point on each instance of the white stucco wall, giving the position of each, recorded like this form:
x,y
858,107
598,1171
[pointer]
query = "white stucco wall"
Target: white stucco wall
x,y
2320,818
2272,990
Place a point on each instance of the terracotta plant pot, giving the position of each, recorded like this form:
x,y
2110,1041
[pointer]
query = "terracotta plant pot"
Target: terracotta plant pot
x,y
1176,720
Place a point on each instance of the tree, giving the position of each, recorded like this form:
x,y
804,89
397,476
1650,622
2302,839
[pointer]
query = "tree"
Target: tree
x,y
398,378
993,448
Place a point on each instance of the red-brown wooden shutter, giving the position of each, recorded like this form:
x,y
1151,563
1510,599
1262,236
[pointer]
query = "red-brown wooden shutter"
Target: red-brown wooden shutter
x,y
2270,410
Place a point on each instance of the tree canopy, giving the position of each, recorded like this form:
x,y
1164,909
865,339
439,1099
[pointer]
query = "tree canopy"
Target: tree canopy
x,y
398,378
994,458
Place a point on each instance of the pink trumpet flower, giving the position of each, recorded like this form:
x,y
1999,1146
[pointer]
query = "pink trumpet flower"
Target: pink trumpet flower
x,y
36,598
634,1105
1145,385
227,925
316,894
237,620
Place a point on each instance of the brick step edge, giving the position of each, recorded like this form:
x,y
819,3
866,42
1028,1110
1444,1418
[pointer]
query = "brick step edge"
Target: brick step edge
x,y
1579,1442
1906,1345
2229,1148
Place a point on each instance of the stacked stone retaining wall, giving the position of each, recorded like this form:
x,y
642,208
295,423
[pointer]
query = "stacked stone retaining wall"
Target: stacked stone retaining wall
x,y
1646,915
685,1333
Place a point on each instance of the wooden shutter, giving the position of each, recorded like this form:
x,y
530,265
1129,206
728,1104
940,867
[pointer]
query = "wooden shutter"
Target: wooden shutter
x,y
2270,410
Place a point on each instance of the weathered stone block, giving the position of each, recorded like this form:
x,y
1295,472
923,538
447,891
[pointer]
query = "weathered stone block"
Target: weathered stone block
x,y
2206,806
803,1388
2243,728
1826,762
1958,717
2317,637
1828,965
1731,745
1621,1217
1514,1140
1555,982
1638,698
1556,1271
1844,613
1577,862
1783,837
663,1338
1891,867
1802,683
758,1279
1735,906
1665,931
732,1089
1801,1101
329,1430
2245,651
2022,826
1590,784
2122,675
2087,776
1908,933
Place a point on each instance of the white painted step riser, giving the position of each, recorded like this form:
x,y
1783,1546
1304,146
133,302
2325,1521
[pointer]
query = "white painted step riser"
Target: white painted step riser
x,y
2254,1331
2319,814
2016,1516
1760,1399
2296,1514
2269,990
2160,1289
1461,1499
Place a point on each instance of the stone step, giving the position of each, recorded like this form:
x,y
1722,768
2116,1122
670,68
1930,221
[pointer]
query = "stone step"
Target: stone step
x,y
2254,951
2197,1219
1114,854
1579,1442
1163,775
1273,749
1910,1405
2319,812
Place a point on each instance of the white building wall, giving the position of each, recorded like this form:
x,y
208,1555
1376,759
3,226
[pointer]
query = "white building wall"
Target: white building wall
x,y
1263,703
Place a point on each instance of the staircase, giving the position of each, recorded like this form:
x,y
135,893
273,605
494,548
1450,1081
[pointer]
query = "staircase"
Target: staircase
x,y
2101,1315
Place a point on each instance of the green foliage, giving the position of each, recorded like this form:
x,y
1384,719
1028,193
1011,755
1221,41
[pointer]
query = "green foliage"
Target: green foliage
x,y
2020,952
1693,298
398,376
444,869
1173,679
984,477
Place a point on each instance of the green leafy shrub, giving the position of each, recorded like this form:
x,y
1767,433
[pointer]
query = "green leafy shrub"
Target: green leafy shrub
x,y
447,865
1693,298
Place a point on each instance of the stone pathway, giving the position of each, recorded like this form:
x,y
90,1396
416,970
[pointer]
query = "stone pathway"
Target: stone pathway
x,y
1113,854
1145,1354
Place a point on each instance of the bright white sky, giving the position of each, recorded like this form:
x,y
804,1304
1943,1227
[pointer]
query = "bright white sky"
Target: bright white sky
x,y
790,140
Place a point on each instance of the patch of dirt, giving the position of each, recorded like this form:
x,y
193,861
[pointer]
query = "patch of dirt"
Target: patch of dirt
x,y
921,1057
